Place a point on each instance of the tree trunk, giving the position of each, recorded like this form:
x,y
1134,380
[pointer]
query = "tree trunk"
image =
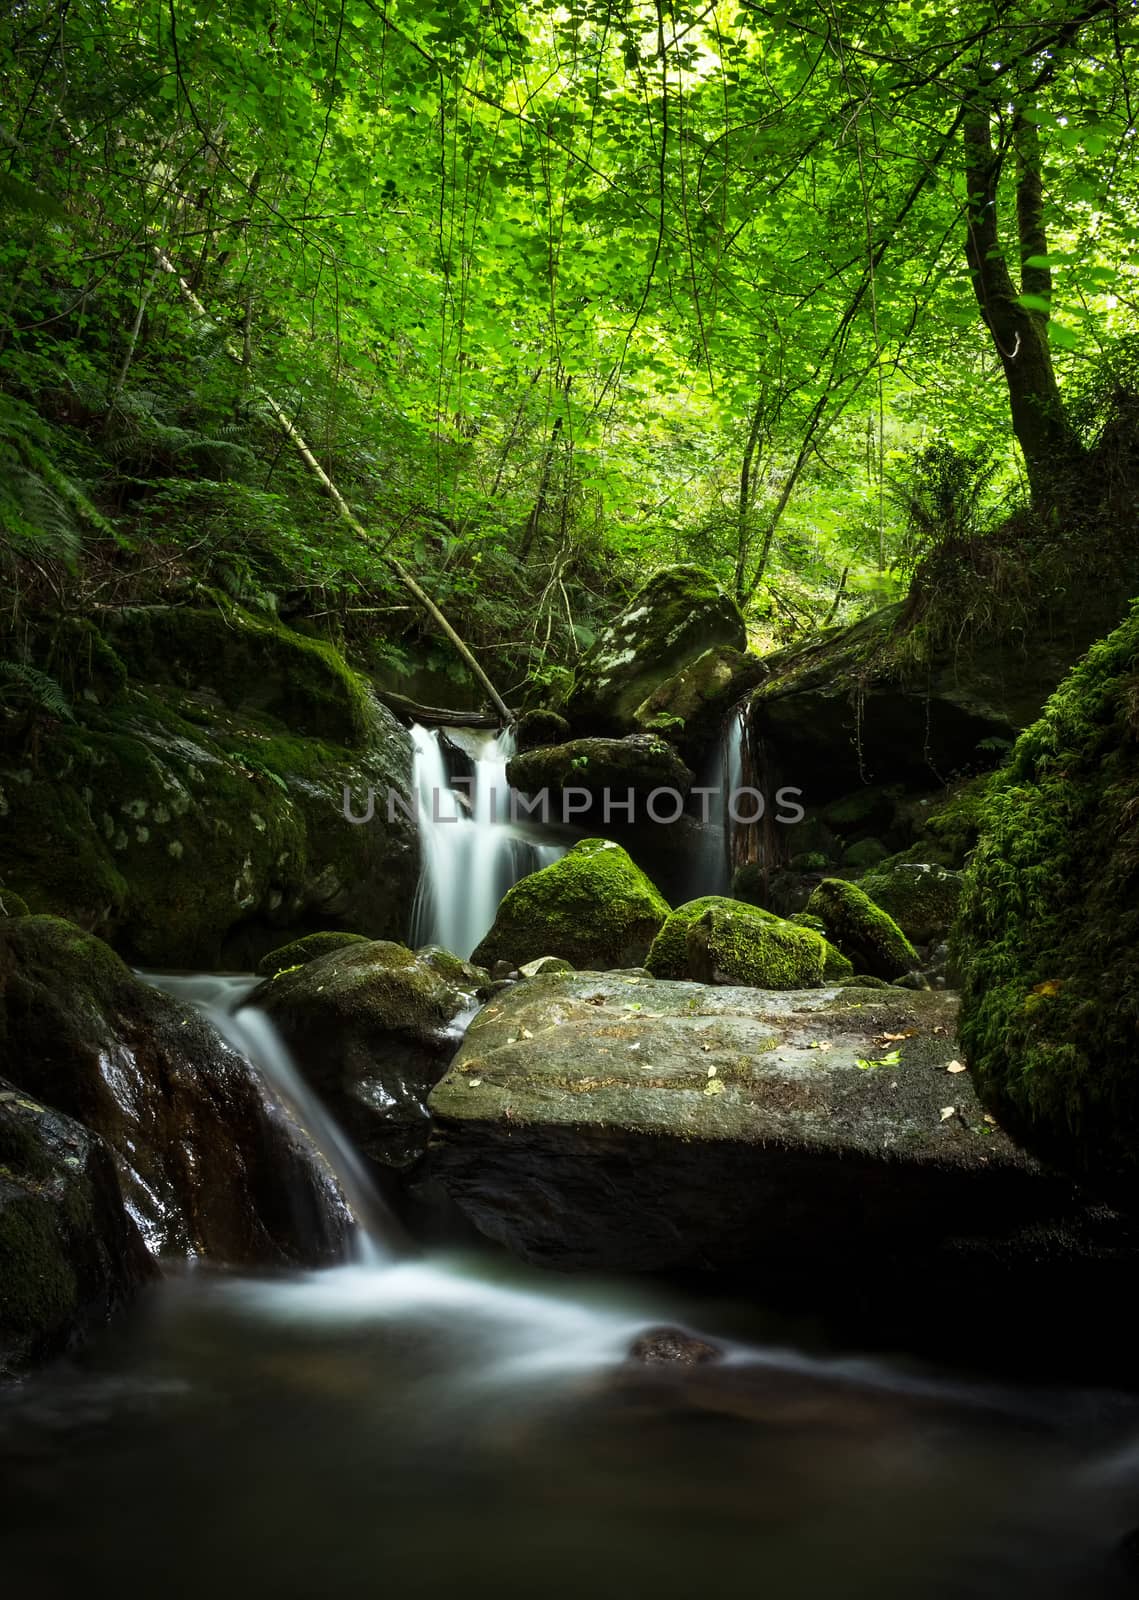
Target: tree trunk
x,y
1019,333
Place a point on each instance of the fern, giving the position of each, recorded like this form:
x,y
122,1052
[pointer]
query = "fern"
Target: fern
x,y
43,512
21,684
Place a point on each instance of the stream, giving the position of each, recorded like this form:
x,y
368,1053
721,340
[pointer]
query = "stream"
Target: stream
x,y
436,1425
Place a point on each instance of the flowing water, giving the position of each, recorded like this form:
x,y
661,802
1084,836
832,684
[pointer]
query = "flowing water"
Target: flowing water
x,y
456,1426
472,851
723,772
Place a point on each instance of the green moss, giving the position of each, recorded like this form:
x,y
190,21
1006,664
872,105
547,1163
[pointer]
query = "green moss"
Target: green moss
x,y
713,939
866,853
863,931
921,897
301,951
40,1292
595,908
1047,938
12,904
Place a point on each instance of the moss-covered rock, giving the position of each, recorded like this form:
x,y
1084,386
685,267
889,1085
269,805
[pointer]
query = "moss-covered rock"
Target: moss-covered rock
x,y
69,1253
715,940
921,897
863,931
865,853
540,726
372,1026
677,616
602,767
595,908
689,707
12,904
192,833
301,951
208,1167
1047,938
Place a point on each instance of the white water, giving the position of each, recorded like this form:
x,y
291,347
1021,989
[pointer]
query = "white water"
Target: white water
x,y
219,997
712,867
472,852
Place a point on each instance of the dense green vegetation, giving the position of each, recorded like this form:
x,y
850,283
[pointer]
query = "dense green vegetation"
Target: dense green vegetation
x,y
556,295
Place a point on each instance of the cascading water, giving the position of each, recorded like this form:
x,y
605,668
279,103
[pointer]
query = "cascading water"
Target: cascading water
x,y
220,999
723,772
472,851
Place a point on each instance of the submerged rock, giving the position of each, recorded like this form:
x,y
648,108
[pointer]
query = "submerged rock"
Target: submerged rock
x,y
194,812
812,1144
69,1254
715,940
373,1026
594,908
1048,934
677,616
672,1347
862,930
208,1166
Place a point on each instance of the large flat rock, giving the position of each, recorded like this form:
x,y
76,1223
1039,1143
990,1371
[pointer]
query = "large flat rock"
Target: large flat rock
x,y
814,1142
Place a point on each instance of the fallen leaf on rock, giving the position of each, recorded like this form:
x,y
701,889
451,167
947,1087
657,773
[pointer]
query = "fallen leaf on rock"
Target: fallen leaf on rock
x,y
895,1038
940,1029
711,1072
947,1112
956,1066
473,1083
992,1121
525,1034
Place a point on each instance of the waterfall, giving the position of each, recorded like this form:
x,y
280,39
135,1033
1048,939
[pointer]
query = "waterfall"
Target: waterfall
x,y
220,998
472,852
723,771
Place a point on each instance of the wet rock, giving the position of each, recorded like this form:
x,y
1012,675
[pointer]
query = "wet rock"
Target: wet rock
x,y
543,966
678,615
195,815
207,1166
672,1347
602,769
373,1026
301,951
594,908
689,707
69,1254
812,1145
715,940
862,930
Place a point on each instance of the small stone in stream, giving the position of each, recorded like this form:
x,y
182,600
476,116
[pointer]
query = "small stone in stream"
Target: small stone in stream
x,y
672,1347
501,969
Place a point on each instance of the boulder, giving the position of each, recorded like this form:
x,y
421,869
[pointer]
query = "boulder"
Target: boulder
x,y
921,897
11,904
677,616
209,1166
1047,939
594,908
715,940
689,707
544,965
814,1145
539,727
606,770
70,1254
372,1027
193,812
862,930
301,951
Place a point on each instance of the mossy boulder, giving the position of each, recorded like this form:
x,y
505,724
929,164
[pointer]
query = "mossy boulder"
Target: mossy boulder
x,y
301,951
865,853
602,768
540,726
689,707
595,908
69,1253
1047,939
674,619
195,830
863,932
12,904
921,897
372,1026
208,1164
715,940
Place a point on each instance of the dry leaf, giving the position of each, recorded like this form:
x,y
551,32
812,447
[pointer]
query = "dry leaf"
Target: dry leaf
x,y
992,1121
705,1048
473,1083
956,1066
525,1034
940,1029
711,1072
896,1038
947,1112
